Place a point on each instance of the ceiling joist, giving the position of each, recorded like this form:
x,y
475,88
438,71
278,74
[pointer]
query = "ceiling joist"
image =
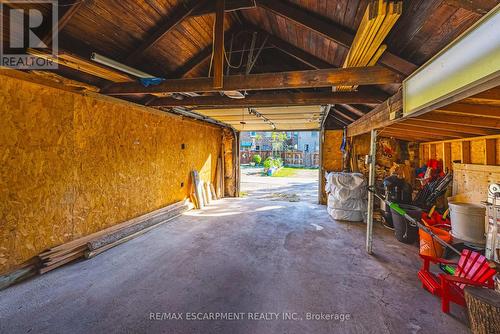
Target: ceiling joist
x,y
277,99
283,80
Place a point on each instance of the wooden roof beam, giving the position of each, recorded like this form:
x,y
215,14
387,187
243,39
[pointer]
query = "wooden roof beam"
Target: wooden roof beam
x,y
164,28
276,99
378,117
284,80
63,20
331,31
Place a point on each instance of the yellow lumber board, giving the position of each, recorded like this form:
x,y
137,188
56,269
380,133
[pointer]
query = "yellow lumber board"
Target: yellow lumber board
x,y
368,40
362,30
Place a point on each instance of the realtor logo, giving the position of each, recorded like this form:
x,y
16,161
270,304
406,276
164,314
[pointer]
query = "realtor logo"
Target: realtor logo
x,y
28,28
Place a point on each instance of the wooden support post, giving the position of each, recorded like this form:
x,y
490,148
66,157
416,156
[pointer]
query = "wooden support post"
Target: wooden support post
x,y
421,154
432,151
371,182
321,172
490,151
218,56
447,163
465,152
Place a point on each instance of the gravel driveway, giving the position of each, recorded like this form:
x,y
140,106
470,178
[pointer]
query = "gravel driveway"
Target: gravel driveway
x,y
301,187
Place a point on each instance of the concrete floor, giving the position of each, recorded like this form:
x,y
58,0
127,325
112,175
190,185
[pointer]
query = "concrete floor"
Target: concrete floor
x,y
301,187
238,255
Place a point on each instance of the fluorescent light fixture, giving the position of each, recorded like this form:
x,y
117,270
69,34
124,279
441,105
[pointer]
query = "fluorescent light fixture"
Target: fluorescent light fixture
x,y
119,66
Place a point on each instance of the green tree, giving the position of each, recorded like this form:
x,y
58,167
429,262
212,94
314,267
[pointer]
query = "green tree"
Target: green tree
x,y
277,141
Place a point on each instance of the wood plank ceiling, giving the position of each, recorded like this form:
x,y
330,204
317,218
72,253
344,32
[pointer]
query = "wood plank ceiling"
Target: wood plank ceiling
x,y
173,39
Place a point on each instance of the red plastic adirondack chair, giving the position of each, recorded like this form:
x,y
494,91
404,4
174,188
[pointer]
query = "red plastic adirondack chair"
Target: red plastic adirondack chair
x,y
472,269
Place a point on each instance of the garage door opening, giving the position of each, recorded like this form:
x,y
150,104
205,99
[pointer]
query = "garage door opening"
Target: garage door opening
x,y
281,166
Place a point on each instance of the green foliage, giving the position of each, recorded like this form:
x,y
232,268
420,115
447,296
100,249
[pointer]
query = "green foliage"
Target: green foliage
x,y
273,162
277,140
257,159
268,163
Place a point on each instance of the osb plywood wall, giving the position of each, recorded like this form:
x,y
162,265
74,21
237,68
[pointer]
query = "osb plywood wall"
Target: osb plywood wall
x,y
332,157
471,182
75,164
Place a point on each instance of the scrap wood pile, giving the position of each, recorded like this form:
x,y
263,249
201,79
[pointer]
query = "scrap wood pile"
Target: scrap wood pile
x,y
378,20
96,243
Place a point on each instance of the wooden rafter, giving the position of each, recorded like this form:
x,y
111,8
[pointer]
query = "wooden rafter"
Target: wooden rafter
x,y
472,109
299,54
331,31
437,127
477,6
378,117
358,109
198,60
483,122
277,99
347,112
164,28
63,20
427,131
341,116
192,64
230,6
283,80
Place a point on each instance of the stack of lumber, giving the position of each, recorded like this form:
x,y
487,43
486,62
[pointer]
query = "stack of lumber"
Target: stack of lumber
x,y
96,243
378,20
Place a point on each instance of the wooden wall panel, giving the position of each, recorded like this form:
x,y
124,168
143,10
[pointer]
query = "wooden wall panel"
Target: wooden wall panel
x,y
331,159
332,156
75,164
477,151
470,182
498,151
456,151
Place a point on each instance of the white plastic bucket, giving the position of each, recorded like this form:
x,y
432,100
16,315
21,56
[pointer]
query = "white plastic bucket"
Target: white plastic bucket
x,y
467,222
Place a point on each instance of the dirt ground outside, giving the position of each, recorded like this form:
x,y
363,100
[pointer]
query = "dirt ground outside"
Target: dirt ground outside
x,y
301,186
